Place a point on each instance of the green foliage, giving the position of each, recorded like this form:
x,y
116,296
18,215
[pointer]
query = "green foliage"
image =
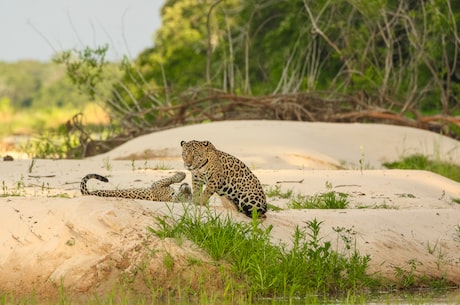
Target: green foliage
x,y
407,276
53,144
183,22
276,192
421,162
85,68
18,188
61,94
410,277
308,266
399,56
38,109
5,105
328,200
34,85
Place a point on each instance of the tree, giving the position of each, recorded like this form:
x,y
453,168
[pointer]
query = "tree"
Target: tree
x,y
376,55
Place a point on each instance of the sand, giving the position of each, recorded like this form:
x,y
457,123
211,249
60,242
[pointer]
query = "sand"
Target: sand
x,y
51,235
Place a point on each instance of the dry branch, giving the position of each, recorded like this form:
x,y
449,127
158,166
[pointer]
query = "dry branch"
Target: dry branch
x,y
196,106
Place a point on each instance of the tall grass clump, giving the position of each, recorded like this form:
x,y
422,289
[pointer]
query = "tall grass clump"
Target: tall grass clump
x,y
447,169
308,266
328,200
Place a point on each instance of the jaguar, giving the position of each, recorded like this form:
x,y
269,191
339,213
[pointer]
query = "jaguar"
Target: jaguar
x,y
224,175
159,191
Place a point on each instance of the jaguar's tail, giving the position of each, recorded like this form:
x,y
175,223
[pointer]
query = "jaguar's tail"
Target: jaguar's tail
x,y
85,179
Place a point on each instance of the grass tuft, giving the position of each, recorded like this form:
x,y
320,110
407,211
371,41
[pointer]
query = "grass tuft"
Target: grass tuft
x,y
328,200
421,162
277,192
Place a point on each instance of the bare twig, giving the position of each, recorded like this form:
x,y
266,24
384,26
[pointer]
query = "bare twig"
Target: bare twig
x,y
290,181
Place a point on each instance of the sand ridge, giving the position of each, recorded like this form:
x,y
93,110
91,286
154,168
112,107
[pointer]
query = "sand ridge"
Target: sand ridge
x,y
51,235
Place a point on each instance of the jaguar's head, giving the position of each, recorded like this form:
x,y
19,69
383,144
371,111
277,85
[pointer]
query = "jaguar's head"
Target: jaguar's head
x,y
196,153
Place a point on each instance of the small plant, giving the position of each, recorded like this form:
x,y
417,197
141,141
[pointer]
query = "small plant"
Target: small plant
x,y
168,261
4,189
276,192
133,166
409,277
346,235
45,188
19,190
362,159
161,166
53,144
60,195
329,200
431,248
378,206
31,165
456,200
107,164
273,207
20,185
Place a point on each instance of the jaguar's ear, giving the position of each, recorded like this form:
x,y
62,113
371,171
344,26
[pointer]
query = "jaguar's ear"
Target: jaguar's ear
x,y
182,143
206,143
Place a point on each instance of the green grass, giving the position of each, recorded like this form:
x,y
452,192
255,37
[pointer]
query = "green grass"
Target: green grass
x,y
18,189
447,169
308,266
328,200
277,192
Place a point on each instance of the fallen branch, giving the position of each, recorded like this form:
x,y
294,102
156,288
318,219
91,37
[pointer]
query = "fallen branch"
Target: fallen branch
x,y
196,106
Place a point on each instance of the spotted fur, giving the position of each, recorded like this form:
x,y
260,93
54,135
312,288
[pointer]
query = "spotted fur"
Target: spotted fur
x,y
159,191
224,175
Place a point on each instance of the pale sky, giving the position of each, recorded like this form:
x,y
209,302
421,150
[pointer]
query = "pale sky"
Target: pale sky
x,y
37,29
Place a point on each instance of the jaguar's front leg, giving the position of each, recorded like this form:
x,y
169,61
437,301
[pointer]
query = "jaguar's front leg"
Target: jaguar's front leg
x,y
197,188
206,194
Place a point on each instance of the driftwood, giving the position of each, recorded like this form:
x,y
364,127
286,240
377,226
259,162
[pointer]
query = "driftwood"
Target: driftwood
x,y
216,106
196,106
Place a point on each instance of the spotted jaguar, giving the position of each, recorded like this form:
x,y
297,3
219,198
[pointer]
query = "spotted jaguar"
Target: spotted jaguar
x,y
224,175
158,191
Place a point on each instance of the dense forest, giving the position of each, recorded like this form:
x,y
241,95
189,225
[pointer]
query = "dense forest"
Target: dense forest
x,y
344,60
31,84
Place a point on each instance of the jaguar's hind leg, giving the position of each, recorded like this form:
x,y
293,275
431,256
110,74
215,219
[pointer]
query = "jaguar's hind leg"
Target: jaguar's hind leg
x,y
165,182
